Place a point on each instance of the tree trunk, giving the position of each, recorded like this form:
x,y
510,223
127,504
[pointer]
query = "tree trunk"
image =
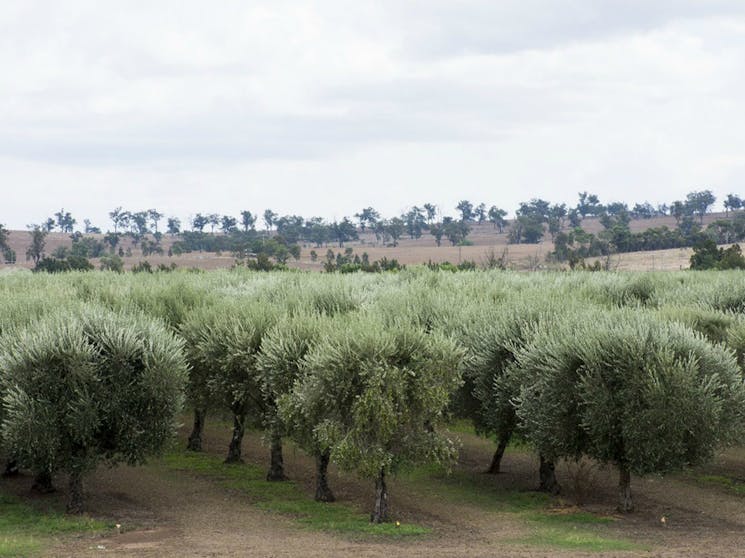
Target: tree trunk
x,y
276,468
11,468
43,483
75,504
496,461
195,438
323,492
547,474
380,515
234,449
625,503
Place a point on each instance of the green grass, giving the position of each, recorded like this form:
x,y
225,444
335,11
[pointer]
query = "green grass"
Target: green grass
x,y
549,525
576,539
466,427
286,498
462,426
472,489
732,485
572,530
569,517
25,530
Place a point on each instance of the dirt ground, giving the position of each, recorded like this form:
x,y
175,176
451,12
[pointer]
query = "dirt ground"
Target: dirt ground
x,y
485,239
164,514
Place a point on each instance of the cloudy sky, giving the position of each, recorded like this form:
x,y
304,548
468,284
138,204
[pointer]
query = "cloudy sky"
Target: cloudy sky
x,y
325,107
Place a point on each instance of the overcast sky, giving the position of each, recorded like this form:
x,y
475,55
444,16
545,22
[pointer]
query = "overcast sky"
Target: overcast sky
x,y
323,108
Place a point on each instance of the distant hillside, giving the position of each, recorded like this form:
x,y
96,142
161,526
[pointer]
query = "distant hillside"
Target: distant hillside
x,y
484,240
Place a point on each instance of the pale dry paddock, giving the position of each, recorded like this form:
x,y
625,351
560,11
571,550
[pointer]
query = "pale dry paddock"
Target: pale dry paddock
x,y
487,243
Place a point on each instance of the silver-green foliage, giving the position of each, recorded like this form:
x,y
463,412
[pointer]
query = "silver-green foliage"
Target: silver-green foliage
x,y
223,343
376,393
282,355
88,387
626,388
493,337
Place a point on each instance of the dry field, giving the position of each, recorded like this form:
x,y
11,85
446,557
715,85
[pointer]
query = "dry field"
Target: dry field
x,y
486,242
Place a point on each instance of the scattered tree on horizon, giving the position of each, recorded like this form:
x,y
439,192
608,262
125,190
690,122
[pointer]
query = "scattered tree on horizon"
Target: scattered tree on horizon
x,y
248,220
48,225
4,235
699,202
395,228
89,228
214,220
343,231
465,208
228,224
497,218
35,251
155,217
65,221
733,202
174,226
269,218
198,222
480,212
431,211
589,204
415,222
367,218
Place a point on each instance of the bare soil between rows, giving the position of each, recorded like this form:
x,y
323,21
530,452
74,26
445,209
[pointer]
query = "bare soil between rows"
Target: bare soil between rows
x,y
167,514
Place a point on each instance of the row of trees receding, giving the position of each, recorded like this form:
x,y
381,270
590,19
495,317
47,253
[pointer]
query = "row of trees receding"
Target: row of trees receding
x,y
641,372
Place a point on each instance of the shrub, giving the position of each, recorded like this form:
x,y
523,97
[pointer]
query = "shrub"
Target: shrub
x,y
96,387
628,389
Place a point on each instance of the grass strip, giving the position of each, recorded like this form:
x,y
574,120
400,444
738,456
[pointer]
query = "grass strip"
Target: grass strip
x,y
732,485
547,525
26,530
287,498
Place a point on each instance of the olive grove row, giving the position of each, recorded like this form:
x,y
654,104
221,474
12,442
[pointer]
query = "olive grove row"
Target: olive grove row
x,y
641,371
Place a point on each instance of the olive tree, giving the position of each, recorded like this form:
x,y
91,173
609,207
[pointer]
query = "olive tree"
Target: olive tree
x,y
198,394
174,299
281,363
712,324
491,382
375,394
628,389
18,308
88,388
223,344
298,417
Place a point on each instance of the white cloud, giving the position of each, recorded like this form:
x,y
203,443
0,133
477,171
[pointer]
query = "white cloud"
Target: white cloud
x,y
321,107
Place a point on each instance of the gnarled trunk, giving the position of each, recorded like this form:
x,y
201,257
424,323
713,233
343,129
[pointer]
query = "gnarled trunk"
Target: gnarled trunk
x,y
11,468
236,441
75,504
380,515
625,503
547,473
195,438
323,492
43,483
496,461
276,467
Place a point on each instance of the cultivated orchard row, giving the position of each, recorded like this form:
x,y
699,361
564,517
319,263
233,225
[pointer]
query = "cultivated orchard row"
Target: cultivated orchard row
x,y
640,371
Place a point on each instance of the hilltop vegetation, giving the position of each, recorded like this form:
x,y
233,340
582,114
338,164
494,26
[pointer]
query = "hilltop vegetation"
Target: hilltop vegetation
x,y
543,233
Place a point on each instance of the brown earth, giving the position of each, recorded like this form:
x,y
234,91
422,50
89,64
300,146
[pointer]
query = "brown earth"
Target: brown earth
x,y
167,514
486,242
